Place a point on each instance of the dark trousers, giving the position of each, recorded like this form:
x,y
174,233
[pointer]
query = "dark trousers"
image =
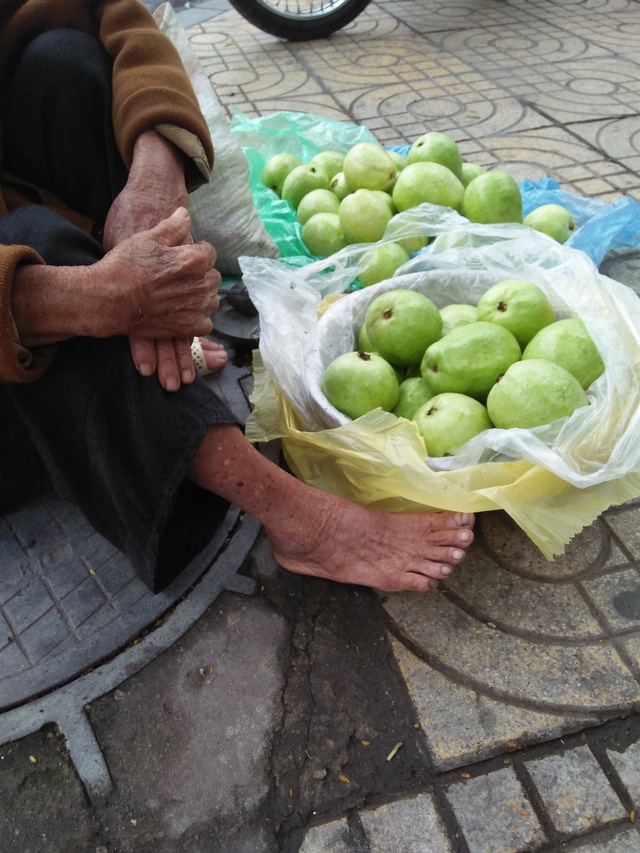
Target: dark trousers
x,y
91,428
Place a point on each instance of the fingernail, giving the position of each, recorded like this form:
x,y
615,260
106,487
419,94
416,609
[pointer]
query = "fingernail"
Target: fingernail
x,y
465,536
187,376
145,369
171,384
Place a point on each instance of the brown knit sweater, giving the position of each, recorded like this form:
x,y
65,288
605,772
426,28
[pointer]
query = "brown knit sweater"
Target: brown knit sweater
x,y
150,91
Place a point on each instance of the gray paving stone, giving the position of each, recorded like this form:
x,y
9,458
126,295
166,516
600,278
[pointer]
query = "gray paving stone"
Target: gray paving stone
x,y
627,764
505,542
617,597
626,524
580,678
410,826
627,841
495,814
462,726
37,780
521,604
328,838
575,791
198,721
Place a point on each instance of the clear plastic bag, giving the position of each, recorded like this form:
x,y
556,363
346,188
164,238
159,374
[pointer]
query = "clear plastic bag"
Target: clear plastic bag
x,y
552,480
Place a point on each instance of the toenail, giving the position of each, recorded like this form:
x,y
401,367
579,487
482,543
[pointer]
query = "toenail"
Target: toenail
x,y
465,536
446,570
457,554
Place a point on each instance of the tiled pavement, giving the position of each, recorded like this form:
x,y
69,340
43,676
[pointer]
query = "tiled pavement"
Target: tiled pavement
x,y
523,676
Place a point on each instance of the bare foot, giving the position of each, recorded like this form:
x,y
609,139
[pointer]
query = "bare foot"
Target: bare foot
x,y
214,355
387,551
313,532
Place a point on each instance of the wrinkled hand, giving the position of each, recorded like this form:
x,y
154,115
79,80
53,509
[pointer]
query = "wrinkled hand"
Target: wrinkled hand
x,y
155,189
157,286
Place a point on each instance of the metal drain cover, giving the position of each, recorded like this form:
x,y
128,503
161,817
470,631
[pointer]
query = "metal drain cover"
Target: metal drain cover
x,y
71,606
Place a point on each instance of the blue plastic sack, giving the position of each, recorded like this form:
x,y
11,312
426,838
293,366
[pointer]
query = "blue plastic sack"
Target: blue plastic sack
x,y
600,227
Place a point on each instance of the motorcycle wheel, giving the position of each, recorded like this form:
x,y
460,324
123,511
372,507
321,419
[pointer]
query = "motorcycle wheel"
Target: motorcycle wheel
x,y
300,20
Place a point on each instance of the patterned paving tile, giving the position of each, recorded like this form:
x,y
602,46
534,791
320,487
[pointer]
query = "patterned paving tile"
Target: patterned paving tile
x,y
618,139
517,649
457,15
495,50
515,100
462,725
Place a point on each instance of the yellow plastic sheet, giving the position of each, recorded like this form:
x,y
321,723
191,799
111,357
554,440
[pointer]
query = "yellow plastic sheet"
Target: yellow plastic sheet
x,y
379,461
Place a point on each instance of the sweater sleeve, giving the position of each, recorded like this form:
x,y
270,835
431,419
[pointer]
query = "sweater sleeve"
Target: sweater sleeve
x,y
151,88
17,364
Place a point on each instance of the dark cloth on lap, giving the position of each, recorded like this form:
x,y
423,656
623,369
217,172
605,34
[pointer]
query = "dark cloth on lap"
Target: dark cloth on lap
x,y
118,446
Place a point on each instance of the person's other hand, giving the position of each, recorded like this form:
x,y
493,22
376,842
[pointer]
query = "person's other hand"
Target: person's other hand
x,y
161,292
154,190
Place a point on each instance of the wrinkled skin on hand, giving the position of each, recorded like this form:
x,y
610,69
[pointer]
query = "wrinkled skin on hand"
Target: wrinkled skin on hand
x,y
183,286
160,286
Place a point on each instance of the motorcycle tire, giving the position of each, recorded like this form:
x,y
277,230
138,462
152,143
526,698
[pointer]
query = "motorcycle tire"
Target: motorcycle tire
x,y
299,20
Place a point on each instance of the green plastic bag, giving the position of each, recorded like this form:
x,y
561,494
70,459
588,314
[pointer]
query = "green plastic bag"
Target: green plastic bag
x,y
303,135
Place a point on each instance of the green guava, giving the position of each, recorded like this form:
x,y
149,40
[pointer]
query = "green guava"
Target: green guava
x,y
457,314
519,306
330,161
492,197
317,201
367,166
322,234
532,393
471,171
276,169
447,421
301,181
363,342
469,359
552,219
414,392
358,382
382,262
436,147
401,324
569,344
427,182
364,216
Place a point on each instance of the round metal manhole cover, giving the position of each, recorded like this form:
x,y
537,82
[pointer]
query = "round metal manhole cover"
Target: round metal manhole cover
x,y
69,600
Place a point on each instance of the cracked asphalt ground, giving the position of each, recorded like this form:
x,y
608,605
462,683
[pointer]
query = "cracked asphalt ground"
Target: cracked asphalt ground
x,y
271,712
